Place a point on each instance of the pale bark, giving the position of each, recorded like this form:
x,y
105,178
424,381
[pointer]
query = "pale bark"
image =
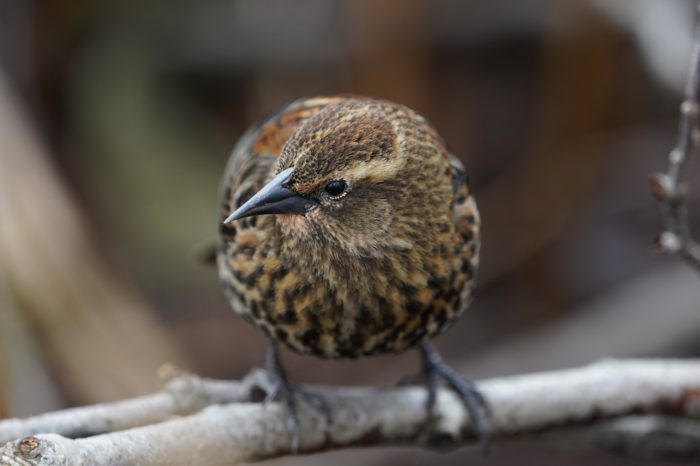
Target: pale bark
x,y
522,405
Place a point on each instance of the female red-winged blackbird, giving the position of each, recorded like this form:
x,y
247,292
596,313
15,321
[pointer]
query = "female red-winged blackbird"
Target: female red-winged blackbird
x,y
373,245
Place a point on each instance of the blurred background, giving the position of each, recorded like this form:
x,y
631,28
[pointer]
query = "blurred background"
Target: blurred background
x,y
117,118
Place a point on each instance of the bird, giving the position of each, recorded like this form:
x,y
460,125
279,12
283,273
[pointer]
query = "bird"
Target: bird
x,y
348,229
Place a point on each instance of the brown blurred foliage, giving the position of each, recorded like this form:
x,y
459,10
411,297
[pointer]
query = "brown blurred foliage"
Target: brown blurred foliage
x,y
559,111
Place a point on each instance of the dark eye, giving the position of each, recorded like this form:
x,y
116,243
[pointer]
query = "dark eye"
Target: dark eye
x,y
336,187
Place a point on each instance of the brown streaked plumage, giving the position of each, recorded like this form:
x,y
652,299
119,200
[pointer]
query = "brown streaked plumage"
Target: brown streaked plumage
x,y
374,244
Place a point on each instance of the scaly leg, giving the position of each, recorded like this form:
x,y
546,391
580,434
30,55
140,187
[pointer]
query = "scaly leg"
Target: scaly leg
x,y
435,368
282,390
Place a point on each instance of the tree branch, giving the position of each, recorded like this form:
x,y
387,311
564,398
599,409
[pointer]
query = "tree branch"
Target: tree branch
x,y
670,188
648,436
239,432
183,394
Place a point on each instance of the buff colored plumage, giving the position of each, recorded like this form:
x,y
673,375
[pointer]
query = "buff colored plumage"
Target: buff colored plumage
x,y
347,230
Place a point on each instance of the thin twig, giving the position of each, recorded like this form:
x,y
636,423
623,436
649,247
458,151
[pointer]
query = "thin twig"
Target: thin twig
x,y
670,188
183,394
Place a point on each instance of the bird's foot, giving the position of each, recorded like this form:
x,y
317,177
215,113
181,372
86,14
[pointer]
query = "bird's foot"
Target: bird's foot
x,y
434,369
316,400
280,389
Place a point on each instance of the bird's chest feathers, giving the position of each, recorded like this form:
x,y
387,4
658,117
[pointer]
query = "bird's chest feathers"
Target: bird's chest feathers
x,y
304,286
344,277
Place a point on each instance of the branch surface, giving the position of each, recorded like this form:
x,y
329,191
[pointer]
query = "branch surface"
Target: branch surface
x,y
183,394
243,432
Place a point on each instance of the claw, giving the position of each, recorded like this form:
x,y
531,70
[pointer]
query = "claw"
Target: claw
x,y
435,368
316,400
287,393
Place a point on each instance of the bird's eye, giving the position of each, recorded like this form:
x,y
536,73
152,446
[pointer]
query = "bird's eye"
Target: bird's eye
x,y
336,187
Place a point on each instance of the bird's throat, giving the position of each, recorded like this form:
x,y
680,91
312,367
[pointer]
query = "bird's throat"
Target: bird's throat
x,y
292,225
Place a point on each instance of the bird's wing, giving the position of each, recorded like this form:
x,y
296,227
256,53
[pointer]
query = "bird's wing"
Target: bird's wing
x,y
466,215
460,182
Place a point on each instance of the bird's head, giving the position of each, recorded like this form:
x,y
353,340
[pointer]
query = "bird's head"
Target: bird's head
x,y
361,173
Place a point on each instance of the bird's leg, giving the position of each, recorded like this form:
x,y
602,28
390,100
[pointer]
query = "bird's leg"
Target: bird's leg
x,y
435,368
282,390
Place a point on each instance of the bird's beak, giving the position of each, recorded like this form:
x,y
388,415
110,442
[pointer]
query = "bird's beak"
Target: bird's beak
x,y
274,198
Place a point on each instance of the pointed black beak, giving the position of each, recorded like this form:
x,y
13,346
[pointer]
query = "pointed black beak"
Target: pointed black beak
x,y
274,198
